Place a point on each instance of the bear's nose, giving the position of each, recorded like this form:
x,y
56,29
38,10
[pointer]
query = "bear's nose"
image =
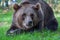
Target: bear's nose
x,y
30,23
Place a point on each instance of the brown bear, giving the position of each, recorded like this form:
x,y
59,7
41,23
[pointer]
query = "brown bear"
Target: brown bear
x,y
31,15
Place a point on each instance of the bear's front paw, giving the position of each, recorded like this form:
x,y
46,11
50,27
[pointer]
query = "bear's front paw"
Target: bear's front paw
x,y
14,32
11,32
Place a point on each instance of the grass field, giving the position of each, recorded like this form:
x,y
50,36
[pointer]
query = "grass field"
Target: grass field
x,y
5,22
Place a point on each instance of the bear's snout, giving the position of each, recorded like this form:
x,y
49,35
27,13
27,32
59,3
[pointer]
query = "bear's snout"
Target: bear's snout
x,y
30,23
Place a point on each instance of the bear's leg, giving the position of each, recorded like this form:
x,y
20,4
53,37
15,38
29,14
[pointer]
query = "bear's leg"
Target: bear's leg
x,y
13,30
52,25
40,26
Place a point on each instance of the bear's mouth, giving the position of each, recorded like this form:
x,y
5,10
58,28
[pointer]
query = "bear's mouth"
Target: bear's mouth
x,y
27,27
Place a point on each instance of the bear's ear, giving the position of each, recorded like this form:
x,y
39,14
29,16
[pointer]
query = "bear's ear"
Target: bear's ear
x,y
37,6
16,7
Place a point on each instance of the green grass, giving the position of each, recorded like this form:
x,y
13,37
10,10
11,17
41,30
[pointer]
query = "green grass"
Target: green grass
x,y
5,22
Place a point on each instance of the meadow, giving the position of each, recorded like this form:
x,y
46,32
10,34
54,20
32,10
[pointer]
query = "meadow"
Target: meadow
x,y
6,20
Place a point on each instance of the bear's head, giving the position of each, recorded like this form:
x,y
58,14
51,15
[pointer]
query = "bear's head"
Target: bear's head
x,y
26,15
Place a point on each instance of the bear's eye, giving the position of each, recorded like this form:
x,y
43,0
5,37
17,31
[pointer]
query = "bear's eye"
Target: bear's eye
x,y
32,15
23,16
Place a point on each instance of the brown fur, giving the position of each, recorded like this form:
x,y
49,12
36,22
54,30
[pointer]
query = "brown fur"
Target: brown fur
x,y
43,15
